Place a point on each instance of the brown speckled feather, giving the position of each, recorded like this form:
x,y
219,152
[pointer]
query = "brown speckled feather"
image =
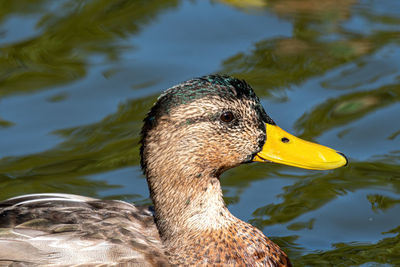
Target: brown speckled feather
x,y
238,245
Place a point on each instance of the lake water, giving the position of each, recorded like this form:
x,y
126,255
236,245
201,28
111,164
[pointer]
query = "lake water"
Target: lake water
x,y
77,77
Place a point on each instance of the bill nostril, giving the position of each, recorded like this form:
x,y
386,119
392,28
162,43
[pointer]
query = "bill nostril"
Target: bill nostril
x,y
285,140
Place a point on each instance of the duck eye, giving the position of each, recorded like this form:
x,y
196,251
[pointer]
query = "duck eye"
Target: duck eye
x,y
227,116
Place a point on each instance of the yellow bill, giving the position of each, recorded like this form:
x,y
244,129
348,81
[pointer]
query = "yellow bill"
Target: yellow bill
x,y
282,147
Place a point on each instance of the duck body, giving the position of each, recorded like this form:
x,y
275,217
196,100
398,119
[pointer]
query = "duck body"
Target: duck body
x,y
194,132
67,230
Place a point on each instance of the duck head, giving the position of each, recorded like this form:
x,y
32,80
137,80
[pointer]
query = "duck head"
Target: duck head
x,y
198,129
216,123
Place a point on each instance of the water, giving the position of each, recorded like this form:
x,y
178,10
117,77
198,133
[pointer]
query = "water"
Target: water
x,y
77,78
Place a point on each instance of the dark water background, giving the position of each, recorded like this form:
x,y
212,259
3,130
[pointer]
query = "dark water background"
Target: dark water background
x,y
77,77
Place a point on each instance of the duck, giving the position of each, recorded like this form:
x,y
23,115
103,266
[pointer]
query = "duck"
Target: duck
x,y
194,132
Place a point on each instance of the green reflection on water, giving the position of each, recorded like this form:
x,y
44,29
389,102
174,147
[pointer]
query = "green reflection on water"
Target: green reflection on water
x,y
71,34
347,108
106,145
385,251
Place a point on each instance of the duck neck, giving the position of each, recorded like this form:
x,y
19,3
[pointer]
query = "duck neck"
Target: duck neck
x,y
187,202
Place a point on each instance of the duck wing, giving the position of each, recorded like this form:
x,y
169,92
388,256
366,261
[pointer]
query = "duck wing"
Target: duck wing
x,y
65,230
